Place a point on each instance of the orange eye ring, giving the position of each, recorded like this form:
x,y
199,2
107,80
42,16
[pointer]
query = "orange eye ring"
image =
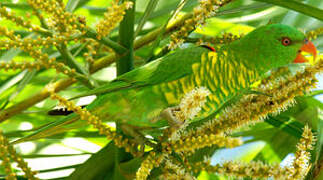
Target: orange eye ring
x,y
286,41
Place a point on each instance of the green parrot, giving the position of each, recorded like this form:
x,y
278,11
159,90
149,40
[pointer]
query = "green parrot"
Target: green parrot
x,y
139,97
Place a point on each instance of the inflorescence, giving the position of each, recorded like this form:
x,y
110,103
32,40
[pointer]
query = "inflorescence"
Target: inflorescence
x,y
129,144
204,10
111,18
7,151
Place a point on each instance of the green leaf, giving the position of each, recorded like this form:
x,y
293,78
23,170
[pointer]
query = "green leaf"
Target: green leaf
x,y
12,81
150,8
99,164
21,85
72,5
299,7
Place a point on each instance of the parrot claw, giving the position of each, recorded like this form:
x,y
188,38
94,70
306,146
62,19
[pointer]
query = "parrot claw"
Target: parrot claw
x,y
169,116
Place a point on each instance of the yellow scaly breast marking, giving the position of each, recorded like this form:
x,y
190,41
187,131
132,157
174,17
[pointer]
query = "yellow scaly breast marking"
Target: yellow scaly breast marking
x,y
225,91
206,107
196,68
212,55
203,64
220,96
196,73
241,78
171,85
221,77
170,97
208,67
225,53
203,60
217,68
185,82
235,64
215,99
231,69
212,63
211,85
230,80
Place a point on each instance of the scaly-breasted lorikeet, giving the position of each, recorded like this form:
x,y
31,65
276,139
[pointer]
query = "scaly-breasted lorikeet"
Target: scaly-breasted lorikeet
x,y
139,96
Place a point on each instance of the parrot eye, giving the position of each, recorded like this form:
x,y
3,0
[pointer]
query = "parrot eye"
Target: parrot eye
x,y
286,41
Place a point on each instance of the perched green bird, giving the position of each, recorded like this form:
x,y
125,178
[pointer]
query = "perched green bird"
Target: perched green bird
x,y
139,96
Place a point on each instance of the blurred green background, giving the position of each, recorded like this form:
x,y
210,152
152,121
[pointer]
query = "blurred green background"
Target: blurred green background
x,y
60,155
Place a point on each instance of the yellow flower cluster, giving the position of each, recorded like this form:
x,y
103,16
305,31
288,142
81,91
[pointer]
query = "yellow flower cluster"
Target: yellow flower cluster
x,y
12,65
91,48
282,71
179,171
151,161
313,34
301,163
205,9
191,104
85,115
260,170
120,141
174,170
188,108
204,140
62,21
7,150
47,62
112,18
10,34
28,46
17,19
5,159
240,169
29,43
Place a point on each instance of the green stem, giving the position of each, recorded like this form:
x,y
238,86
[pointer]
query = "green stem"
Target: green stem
x,y
299,7
90,33
125,62
72,63
126,37
316,92
150,8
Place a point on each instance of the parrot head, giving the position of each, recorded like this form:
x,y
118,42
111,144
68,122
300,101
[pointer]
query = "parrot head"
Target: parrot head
x,y
276,45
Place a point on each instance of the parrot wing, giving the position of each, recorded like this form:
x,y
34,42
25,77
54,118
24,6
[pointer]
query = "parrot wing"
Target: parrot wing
x,y
168,68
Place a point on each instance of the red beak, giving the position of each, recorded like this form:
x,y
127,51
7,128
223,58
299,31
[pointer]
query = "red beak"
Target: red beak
x,y
307,47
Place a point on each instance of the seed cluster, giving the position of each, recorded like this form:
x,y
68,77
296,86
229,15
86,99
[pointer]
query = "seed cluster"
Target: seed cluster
x,y
6,151
151,161
313,34
112,18
129,144
204,10
61,21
